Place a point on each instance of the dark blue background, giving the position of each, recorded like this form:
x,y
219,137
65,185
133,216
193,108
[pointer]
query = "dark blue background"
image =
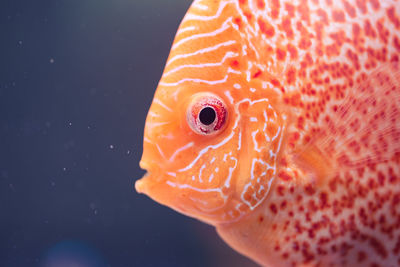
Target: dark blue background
x,y
76,80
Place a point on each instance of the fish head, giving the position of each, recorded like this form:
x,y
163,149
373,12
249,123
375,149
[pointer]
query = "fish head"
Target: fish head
x,y
212,136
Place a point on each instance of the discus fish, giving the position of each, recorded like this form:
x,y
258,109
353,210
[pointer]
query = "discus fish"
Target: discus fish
x,y
278,122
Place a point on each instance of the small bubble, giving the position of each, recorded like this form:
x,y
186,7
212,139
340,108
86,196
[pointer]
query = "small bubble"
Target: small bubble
x,y
111,146
70,123
20,42
128,152
64,169
51,60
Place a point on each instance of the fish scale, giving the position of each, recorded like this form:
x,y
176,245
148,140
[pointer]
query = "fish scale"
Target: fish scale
x,y
306,169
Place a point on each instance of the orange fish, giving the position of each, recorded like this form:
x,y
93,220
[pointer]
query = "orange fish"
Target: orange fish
x,y
278,122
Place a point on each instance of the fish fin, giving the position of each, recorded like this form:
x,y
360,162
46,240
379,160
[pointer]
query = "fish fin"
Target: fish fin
x,y
363,130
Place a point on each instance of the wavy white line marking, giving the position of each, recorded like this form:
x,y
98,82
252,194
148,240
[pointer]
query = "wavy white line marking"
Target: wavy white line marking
x,y
201,172
188,145
186,186
153,114
228,54
229,96
158,101
253,119
171,174
208,18
237,86
201,51
160,151
200,6
223,28
156,124
231,169
204,150
196,81
189,28
147,140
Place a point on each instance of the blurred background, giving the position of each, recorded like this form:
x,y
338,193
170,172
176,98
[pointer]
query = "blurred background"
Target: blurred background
x,y
76,80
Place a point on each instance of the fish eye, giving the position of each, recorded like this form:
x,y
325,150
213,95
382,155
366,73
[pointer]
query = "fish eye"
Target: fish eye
x,y
206,114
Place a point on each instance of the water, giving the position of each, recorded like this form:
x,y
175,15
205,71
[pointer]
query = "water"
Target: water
x,y
76,80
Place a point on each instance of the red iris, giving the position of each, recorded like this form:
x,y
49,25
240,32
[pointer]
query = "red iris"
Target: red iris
x,y
206,114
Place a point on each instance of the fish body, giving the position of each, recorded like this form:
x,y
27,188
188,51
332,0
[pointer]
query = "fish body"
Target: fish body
x,y
278,122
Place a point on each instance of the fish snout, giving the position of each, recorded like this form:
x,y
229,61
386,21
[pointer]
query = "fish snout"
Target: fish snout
x,y
141,185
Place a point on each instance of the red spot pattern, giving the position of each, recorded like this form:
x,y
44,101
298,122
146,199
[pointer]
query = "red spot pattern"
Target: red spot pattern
x,y
290,9
291,76
350,10
396,43
322,14
260,4
338,16
304,11
248,15
369,30
238,22
235,64
275,8
257,74
382,31
266,28
287,28
351,214
393,17
344,234
375,4
280,54
284,176
292,51
362,6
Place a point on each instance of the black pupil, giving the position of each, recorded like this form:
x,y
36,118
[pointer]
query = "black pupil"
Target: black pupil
x,y
207,116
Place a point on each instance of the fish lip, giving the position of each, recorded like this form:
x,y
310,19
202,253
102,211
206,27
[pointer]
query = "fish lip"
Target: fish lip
x,y
141,185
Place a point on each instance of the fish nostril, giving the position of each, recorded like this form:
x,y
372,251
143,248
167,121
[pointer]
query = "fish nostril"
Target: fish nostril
x,y
207,115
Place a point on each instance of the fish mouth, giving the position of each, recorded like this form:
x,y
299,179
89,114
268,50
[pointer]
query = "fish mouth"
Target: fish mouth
x,y
141,185
152,184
